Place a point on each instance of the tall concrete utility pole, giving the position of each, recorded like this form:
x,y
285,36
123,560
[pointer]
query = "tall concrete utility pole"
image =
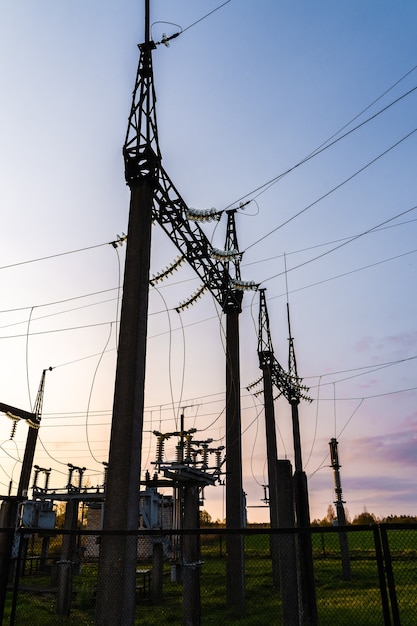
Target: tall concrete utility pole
x,y
235,510
117,566
281,504
289,385
266,363
153,197
302,508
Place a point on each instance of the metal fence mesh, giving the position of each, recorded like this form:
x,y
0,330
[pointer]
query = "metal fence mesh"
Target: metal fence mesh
x,y
362,576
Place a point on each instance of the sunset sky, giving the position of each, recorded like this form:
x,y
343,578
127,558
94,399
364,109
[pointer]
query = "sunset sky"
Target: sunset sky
x,y
308,111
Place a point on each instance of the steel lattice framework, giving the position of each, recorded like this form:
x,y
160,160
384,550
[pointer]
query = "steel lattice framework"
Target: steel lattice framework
x,y
289,384
142,158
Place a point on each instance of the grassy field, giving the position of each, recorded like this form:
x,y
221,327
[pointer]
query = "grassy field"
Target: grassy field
x,y
340,602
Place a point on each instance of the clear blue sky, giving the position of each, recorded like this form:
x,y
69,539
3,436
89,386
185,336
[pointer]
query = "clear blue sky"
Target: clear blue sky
x,y
243,96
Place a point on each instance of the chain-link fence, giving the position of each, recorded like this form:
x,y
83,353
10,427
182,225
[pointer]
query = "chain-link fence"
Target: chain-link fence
x,y
361,576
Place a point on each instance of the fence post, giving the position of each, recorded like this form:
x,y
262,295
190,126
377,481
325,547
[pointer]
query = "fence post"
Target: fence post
x,y
381,574
390,576
16,578
157,571
287,546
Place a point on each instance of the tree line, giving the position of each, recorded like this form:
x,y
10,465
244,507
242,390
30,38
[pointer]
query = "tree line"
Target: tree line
x,y
363,518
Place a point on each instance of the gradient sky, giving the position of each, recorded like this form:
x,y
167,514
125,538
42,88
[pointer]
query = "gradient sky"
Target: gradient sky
x,y
243,96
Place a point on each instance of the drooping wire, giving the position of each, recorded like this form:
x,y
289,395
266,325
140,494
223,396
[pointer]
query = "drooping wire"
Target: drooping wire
x,y
253,447
316,421
119,286
183,361
171,389
91,393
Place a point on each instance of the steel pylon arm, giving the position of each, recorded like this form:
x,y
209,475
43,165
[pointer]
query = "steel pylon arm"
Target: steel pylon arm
x,y
170,212
288,384
143,159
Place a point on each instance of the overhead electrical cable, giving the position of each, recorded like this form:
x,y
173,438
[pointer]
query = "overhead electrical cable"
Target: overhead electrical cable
x,y
371,396
54,256
91,392
55,302
363,367
42,317
171,388
374,229
165,40
27,357
344,243
328,193
309,286
359,269
329,143
329,243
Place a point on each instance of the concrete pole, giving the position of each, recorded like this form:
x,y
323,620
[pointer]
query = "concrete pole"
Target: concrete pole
x,y
117,567
191,559
287,546
65,565
272,456
235,567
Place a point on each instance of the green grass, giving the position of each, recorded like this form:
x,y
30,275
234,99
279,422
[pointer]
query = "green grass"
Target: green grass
x,y
340,602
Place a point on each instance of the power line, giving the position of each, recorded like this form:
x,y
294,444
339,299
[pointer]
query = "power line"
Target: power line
x,y
322,147
54,256
328,243
328,193
165,40
345,243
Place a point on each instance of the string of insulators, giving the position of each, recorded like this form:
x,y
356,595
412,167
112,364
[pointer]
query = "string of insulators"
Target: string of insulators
x,y
14,426
168,271
244,285
179,450
218,459
160,446
119,241
254,384
292,388
194,298
188,440
205,455
72,469
226,255
203,215
70,473
106,469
